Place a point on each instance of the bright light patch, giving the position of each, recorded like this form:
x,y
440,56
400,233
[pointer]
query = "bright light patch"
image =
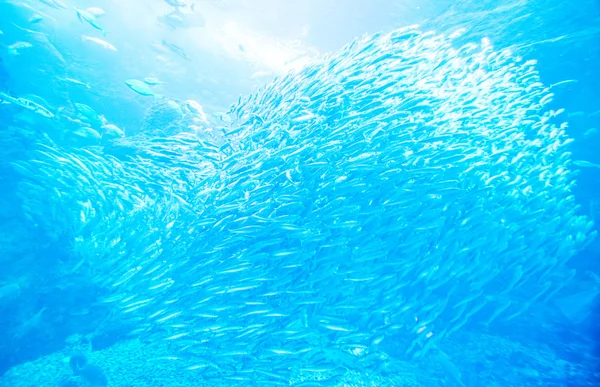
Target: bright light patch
x,y
267,53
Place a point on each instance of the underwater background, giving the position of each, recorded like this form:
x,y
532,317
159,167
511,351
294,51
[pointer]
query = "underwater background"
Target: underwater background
x,y
309,193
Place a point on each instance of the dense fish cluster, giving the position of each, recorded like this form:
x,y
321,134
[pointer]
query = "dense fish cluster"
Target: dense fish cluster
x,y
355,212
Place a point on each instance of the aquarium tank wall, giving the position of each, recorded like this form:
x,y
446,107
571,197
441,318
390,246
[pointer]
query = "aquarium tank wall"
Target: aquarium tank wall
x,y
299,193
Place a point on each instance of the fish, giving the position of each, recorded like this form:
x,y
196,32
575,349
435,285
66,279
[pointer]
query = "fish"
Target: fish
x,y
16,48
504,304
87,115
585,164
139,87
196,109
27,104
84,15
28,325
172,20
182,17
450,369
176,3
338,179
85,132
56,4
577,307
74,81
35,19
41,35
176,49
96,11
565,82
158,48
112,131
152,81
86,111
590,132
100,42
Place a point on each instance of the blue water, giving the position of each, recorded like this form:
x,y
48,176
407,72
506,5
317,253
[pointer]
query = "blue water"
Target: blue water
x,y
262,206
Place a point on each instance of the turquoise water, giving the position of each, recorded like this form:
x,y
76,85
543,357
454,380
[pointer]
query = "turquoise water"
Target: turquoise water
x,y
303,194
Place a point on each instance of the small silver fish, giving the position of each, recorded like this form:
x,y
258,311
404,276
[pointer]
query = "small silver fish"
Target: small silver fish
x,y
176,3
562,83
27,104
100,42
84,15
152,81
585,164
35,19
29,324
86,132
75,82
15,48
139,87
96,11
176,49
56,4
112,131
196,109
172,20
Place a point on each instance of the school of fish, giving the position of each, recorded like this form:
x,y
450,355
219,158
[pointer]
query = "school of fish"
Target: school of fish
x,y
357,211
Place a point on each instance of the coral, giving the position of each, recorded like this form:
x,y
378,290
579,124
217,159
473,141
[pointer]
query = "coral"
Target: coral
x,y
93,375
162,118
133,364
77,361
68,383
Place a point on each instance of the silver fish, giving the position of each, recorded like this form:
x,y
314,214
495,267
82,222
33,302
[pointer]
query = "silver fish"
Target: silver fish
x,y
176,49
380,195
